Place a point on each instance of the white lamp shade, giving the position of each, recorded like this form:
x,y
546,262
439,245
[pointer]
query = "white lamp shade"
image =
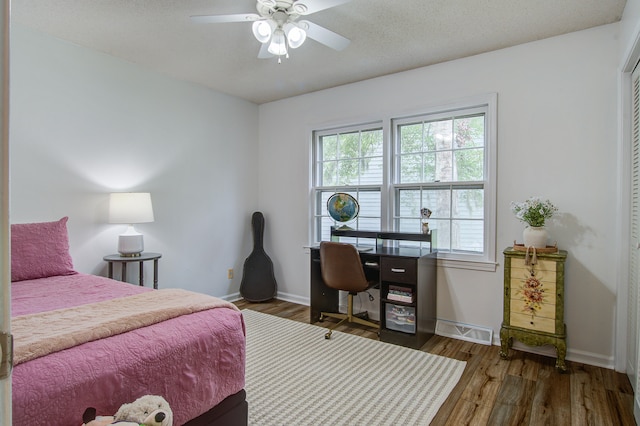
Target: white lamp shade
x,y
295,35
130,207
262,31
278,45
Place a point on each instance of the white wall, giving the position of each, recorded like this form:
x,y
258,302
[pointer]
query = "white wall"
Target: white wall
x,y
557,125
84,124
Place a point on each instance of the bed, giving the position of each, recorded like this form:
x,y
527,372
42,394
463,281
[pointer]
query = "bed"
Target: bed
x,y
87,341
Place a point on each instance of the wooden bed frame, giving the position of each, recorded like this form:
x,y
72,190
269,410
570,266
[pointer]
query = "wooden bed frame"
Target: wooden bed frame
x,y
232,411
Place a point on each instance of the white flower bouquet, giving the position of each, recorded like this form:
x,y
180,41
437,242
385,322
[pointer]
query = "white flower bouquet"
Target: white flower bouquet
x,y
533,211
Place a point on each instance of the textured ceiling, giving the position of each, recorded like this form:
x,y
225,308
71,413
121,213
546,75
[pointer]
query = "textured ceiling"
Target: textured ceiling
x,y
387,36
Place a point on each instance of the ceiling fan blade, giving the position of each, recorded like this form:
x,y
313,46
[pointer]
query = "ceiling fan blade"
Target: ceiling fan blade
x,y
313,6
215,19
264,53
325,36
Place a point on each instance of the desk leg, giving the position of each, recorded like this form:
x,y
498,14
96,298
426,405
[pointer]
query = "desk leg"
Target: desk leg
x,y
123,275
110,270
141,279
155,274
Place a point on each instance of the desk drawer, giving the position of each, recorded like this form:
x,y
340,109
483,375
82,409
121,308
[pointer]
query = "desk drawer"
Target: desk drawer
x,y
399,270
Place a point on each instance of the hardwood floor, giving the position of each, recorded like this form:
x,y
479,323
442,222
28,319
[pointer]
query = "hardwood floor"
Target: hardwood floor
x,y
524,390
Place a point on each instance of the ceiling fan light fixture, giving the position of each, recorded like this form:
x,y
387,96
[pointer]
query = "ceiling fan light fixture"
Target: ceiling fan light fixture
x,y
295,35
267,3
300,8
262,31
278,45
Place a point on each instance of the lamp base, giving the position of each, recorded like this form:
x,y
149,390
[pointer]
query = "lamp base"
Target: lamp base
x,y
130,245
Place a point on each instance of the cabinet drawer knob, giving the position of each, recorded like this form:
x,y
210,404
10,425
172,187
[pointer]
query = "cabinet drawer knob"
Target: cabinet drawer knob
x,y
399,270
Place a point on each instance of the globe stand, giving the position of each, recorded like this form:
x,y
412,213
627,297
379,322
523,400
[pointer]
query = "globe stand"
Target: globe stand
x,y
344,226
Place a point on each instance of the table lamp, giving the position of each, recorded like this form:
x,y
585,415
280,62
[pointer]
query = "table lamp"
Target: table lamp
x,y
130,208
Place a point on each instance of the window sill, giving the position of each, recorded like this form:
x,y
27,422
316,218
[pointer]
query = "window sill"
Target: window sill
x,y
485,266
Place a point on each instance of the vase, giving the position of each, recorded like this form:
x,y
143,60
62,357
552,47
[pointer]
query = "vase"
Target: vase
x,y
535,236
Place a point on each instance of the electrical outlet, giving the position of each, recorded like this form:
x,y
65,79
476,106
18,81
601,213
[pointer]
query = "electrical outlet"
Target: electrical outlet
x,y
230,273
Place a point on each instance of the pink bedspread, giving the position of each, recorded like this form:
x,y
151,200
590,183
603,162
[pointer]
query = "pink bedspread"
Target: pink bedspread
x,y
194,361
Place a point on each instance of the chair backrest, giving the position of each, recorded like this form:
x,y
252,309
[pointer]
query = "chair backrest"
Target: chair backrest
x,y
341,267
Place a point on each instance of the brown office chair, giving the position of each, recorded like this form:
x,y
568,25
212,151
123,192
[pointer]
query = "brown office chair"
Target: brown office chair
x,y
342,270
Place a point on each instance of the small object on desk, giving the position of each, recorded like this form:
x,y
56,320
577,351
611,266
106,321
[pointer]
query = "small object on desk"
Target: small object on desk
x,y
426,214
123,260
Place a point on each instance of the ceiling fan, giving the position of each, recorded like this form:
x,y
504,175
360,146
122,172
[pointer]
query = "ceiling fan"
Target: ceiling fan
x,y
277,27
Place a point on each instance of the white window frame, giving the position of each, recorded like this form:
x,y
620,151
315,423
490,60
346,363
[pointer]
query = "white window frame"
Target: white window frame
x,y
483,262
381,188
488,104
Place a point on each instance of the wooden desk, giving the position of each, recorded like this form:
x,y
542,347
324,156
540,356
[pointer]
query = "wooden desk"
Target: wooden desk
x,y
124,260
407,323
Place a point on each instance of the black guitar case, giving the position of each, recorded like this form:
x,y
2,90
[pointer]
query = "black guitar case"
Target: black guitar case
x,y
258,281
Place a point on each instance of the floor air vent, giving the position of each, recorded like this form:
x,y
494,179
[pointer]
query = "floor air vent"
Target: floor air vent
x,y
471,333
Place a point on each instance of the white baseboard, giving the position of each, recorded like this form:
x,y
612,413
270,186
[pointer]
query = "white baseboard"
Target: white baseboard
x,y
583,357
293,298
233,297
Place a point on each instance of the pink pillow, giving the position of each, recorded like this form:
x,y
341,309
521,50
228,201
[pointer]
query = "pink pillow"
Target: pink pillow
x,y
40,250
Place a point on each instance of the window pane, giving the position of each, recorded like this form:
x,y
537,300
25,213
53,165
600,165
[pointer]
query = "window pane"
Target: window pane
x,y
467,235
438,201
371,143
468,204
469,164
329,173
409,225
409,205
410,138
370,204
469,132
349,145
444,166
348,172
326,224
442,232
429,167
321,204
441,132
371,171
328,148
410,168
429,138
368,223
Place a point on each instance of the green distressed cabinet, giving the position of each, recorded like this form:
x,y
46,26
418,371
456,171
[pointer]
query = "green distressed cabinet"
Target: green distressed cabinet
x,y
534,301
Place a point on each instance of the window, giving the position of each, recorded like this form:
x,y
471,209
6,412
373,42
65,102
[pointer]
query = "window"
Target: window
x,y
443,159
348,160
440,165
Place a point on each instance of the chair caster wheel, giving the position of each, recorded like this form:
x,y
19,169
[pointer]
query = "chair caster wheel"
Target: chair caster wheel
x,y
327,336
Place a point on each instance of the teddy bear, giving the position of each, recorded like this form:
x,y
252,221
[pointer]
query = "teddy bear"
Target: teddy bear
x,y
89,418
148,410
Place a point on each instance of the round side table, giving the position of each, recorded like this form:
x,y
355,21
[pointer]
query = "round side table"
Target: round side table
x,y
124,260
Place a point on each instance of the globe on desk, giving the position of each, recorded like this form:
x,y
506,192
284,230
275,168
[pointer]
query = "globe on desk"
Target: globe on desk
x,y
343,208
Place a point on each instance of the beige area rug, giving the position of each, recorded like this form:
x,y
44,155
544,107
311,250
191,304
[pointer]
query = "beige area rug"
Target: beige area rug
x,y
294,376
